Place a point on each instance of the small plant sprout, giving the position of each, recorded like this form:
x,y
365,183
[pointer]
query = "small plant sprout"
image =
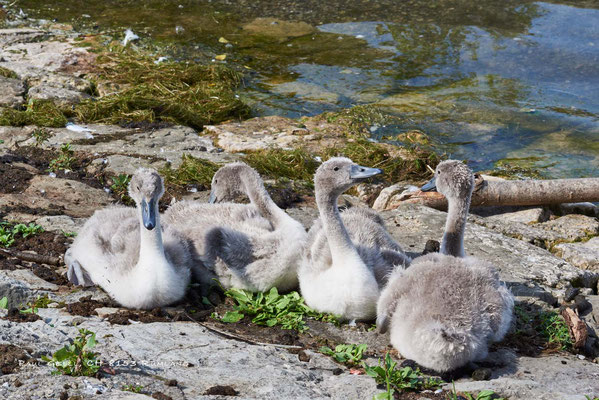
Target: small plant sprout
x,y
76,359
40,135
287,311
345,353
33,306
9,232
482,395
133,388
119,186
397,380
555,329
4,302
65,160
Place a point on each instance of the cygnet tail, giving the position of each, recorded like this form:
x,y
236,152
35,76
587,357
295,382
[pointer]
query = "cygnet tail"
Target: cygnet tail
x,y
443,348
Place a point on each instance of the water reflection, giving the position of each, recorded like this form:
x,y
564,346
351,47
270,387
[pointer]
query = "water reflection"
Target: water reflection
x,y
488,79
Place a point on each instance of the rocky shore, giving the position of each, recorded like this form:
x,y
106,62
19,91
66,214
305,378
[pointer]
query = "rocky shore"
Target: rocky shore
x,y
56,177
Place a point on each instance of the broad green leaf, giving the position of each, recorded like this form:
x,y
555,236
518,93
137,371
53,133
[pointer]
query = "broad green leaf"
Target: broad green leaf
x,y
232,316
4,302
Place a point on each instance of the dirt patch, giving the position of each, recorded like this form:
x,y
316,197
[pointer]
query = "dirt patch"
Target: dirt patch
x,y
86,307
10,356
45,243
161,396
221,390
13,179
49,275
125,317
15,315
9,263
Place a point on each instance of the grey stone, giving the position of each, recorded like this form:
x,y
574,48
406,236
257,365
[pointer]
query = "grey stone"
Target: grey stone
x,y
60,223
525,215
589,209
11,92
59,95
518,262
584,255
543,378
119,164
572,227
73,198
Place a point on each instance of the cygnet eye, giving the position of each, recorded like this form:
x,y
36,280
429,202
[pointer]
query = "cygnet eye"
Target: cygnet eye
x,y
336,169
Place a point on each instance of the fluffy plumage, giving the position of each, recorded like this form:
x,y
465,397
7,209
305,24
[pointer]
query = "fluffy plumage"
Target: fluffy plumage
x,y
139,266
254,247
443,311
348,255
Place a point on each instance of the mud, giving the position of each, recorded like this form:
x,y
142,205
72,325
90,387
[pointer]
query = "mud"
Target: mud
x,y
10,355
13,179
45,243
86,307
220,390
15,315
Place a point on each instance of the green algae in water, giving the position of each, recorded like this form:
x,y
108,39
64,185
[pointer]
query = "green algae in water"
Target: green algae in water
x,y
38,112
186,94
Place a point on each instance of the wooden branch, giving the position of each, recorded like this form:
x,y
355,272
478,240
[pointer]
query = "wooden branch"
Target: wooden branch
x,y
514,193
577,327
32,257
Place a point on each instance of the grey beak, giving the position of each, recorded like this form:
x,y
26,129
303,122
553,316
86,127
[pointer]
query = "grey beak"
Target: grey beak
x,y
360,172
430,185
148,214
212,199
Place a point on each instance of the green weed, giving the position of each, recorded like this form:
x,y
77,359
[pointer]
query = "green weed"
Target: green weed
x,y
133,388
4,303
65,160
33,306
76,359
120,187
272,309
345,353
40,135
182,93
38,112
7,73
296,165
191,171
397,380
9,232
482,395
555,329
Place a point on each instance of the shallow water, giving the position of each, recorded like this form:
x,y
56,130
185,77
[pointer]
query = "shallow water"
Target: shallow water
x,y
511,80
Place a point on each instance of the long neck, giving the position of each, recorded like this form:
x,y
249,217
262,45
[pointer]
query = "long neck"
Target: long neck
x,y
151,248
455,225
255,190
337,236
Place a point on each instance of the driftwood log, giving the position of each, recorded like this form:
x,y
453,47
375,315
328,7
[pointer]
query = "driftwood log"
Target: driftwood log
x,y
516,193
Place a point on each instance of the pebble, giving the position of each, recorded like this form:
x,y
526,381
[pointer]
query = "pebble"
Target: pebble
x,y
571,293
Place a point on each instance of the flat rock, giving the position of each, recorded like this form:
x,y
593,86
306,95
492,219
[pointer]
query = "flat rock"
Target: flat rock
x,y
542,378
18,288
584,255
60,223
524,215
61,196
12,92
59,95
518,262
257,133
563,229
117,164
166,144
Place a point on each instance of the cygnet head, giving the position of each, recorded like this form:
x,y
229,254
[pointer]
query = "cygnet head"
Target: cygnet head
x,y
453,179
146,188
339,174
227,182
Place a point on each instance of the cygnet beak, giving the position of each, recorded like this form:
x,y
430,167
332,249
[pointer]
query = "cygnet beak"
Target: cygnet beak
x,y
360,172
430,185
148,214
